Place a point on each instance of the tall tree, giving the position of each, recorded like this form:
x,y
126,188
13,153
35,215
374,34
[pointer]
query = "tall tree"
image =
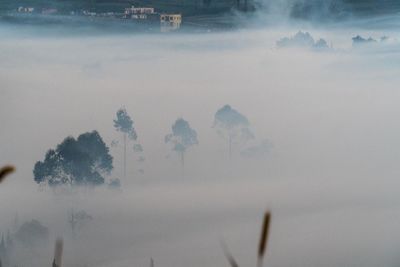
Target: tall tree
x,y
232,126
181,138
124,124
81,161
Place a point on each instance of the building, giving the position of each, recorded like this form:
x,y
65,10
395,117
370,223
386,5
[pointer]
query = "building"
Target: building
x,y
88,13
22,9
170,22
202,7
49,11
139,12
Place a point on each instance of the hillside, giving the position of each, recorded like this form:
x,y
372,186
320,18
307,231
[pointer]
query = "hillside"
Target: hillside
x,y
299,8
182,6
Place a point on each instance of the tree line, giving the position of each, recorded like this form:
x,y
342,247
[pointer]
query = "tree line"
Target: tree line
x,y
86,160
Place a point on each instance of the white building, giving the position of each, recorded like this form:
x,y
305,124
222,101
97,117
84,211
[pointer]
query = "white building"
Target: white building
x,y
138,12
22,9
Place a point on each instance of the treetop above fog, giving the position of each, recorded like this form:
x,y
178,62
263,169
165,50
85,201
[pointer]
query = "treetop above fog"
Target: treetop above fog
x,y
232,126
182,136
123,123
227,117
81,161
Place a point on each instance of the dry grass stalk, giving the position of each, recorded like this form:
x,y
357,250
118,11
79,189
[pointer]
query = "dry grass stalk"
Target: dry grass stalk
x,y
229,256
262,245
58,251
6,170
263,238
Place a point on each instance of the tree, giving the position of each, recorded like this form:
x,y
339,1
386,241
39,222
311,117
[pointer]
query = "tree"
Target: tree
x,y
257,150
124,124
78,219
232,126
3,251
115,184
81,161
181,138
32,233
10,242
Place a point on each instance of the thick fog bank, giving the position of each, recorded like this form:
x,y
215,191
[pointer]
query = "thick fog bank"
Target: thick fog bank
x,y
329,175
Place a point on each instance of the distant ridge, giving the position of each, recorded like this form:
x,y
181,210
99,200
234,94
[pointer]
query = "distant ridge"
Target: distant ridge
x,y
181,6
297,8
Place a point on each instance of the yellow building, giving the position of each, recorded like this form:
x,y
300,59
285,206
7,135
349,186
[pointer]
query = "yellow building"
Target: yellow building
x,y
170,22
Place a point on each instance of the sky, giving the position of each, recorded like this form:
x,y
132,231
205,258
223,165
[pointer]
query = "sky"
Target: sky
x,y
330,176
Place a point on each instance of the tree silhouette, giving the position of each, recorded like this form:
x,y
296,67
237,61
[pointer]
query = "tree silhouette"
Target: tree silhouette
x,y
232,126
124,124
32,233
81,161
181,138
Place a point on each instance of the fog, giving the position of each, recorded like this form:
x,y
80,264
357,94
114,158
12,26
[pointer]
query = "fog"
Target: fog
x,y
329,177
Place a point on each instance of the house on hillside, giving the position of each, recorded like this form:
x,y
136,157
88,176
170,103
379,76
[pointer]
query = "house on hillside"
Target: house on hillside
x,y
170,22
139,12
22,9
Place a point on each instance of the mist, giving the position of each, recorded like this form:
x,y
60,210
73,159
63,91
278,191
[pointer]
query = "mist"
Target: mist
x,y
328,169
